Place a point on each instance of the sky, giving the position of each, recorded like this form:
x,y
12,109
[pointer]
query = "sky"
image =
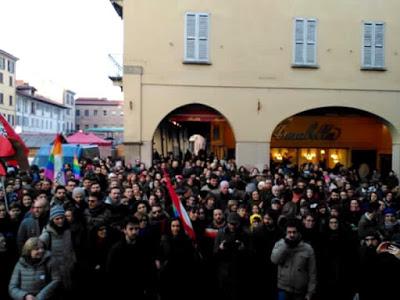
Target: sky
x,y
63,44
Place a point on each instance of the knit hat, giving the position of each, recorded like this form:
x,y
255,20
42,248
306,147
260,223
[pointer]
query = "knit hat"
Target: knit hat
x,y
56,211
389,210
255,217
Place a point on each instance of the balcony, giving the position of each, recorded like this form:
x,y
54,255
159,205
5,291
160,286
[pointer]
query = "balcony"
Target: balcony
x,y
116,70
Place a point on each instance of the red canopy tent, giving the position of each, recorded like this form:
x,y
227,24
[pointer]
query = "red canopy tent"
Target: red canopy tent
x,y
87,138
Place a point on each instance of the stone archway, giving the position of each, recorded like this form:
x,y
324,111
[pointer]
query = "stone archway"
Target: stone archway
x,y
172,135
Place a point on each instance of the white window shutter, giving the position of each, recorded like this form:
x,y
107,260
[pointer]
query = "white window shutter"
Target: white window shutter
x,y
379,45
299,41
311,51
203,22
190,36
368,44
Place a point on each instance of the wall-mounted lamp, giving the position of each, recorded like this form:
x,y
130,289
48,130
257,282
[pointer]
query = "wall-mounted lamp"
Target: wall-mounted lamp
x,y
130,105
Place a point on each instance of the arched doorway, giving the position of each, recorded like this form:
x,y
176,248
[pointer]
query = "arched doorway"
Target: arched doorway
x,y
180,131
332,136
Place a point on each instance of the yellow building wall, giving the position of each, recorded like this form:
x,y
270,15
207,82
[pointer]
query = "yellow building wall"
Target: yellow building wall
x,y
250,80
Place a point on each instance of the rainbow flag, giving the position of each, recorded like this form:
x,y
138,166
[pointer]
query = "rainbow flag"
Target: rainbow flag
x,y
54,169
179,209
76,168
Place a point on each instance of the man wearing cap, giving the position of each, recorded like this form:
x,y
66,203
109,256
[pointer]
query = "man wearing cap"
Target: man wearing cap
x,y
231,254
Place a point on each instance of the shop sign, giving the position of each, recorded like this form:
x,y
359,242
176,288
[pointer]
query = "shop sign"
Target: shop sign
x,y
315,131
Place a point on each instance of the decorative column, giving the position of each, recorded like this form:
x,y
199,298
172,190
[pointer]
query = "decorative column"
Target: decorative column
x,y
253,154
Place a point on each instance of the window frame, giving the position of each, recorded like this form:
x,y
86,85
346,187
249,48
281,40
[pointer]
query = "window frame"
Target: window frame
x,y
304,64
373,67
196,60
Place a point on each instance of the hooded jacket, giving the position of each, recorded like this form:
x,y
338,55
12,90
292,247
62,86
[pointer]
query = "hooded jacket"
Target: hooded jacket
x,y
296,267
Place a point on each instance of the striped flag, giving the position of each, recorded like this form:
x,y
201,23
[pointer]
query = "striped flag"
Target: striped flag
x,y
76,168
54,169
179,209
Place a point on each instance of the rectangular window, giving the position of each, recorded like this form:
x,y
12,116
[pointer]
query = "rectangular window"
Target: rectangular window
x,y
95,112
1,78
305,43
86,112
1,98
95,126
10,100
33,108
77,127
104,113
2,63
197,37
10,81
77,112
11,66
86,126
18,120
373,50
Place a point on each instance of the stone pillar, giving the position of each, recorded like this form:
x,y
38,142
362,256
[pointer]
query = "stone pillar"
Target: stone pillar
x,y
396,158
253,154
146,153
131,152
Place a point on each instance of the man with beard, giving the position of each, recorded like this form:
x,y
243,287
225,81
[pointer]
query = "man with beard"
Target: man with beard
x,y
296,265
33,224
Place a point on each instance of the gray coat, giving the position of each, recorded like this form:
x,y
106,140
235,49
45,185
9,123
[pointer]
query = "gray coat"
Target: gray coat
x,y
296,267
62,252
29,228
40,280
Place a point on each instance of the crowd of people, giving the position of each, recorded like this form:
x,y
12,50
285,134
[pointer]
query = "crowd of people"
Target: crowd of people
x,y
279,233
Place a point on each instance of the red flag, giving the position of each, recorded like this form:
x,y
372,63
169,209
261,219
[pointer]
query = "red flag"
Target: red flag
x,y
179,209
6,149
3,171
21,151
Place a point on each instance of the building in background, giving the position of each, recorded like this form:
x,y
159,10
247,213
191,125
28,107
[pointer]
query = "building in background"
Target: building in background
x,y
7,86
263,81
36,114
100,116
69,113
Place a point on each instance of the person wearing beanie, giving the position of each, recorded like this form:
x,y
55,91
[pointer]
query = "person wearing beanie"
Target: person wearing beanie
x,y
390,225
58,240
255,221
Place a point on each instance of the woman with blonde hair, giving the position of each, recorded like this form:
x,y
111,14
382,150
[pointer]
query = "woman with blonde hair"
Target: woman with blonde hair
x,y
35,276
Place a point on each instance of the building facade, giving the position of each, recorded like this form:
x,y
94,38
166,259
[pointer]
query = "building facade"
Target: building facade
x,y
287,79
37,114
7,86
69,113
92,113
